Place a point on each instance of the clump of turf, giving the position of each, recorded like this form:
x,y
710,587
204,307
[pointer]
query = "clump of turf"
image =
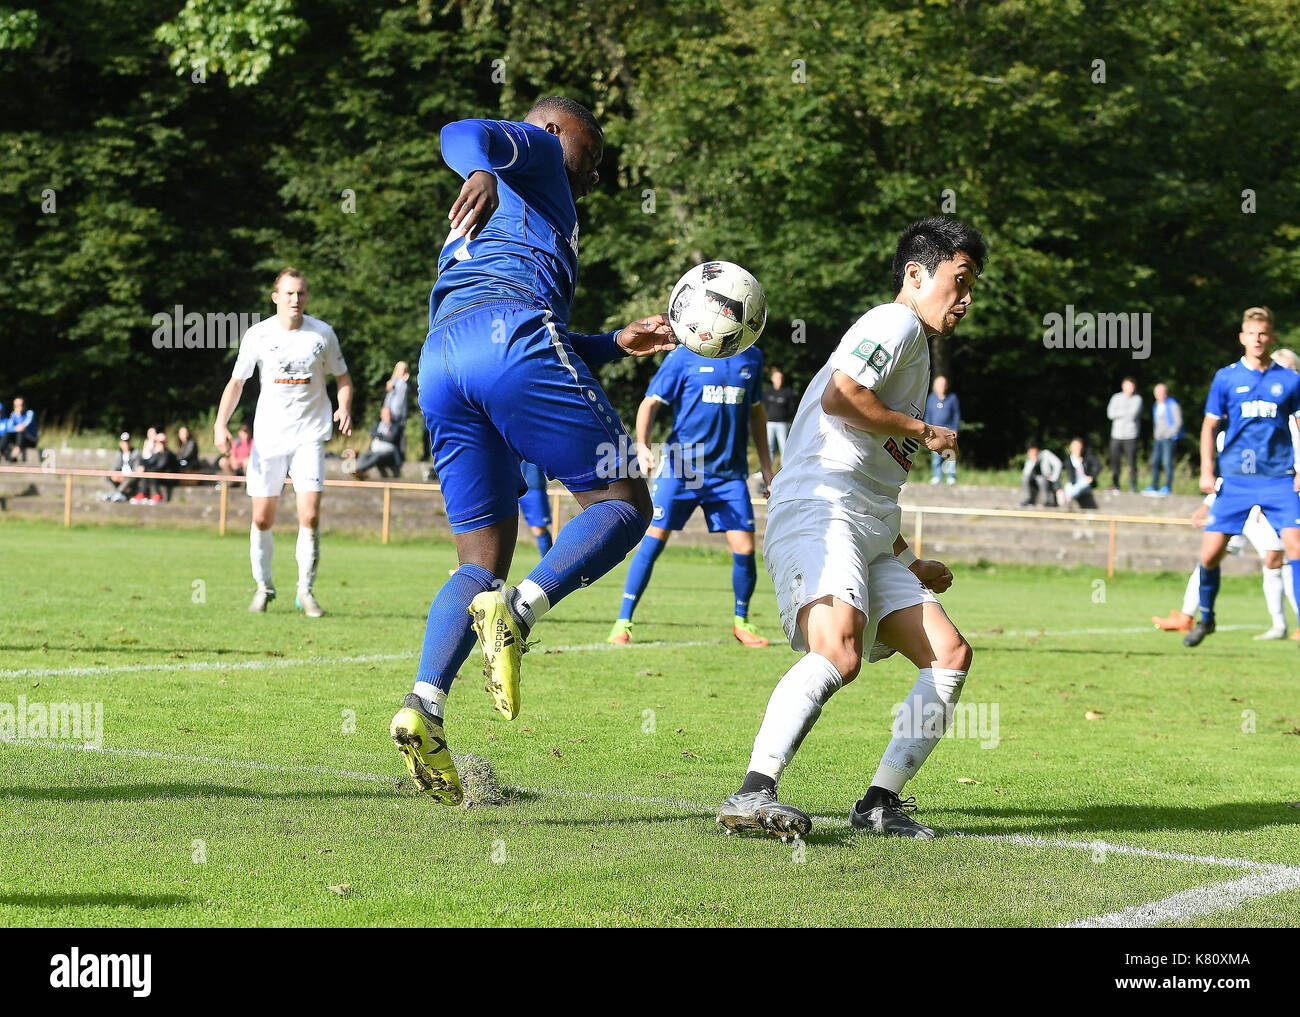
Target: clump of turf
x,y
479,779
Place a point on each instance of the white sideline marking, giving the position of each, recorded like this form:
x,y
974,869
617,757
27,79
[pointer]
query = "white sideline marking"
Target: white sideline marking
x,y
1198,901
372,658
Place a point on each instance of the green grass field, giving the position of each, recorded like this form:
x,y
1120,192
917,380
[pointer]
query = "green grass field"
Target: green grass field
x,y
246,777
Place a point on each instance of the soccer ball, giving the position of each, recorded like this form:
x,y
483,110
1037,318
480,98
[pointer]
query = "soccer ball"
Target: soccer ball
x,y
717,309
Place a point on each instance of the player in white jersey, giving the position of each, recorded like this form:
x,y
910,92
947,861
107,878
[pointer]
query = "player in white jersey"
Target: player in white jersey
x,y
847,586
293,353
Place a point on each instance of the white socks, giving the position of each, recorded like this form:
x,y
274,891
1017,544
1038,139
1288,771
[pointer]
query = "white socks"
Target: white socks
x,y
308,554
260,543
432,697
1273,596
922,719
529,603
1192,596
795,705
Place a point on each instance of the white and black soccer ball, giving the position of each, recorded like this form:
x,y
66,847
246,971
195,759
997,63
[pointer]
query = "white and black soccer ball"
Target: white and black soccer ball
x,y
717,309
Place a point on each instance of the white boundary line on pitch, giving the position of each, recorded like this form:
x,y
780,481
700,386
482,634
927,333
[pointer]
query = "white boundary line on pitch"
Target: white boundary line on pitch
x,y
267,663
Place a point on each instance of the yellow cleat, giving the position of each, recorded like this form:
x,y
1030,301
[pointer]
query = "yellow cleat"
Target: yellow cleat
x,y
621,633
503,646
423,744
744,630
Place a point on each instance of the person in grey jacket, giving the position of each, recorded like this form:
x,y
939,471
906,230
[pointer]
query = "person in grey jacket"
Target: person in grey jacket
x,y
1125,413
125,463
1041,473
1167,421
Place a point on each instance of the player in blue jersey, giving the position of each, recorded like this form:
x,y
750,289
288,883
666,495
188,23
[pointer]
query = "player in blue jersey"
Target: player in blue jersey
x,y
1254,401
502,380
717,406
536,507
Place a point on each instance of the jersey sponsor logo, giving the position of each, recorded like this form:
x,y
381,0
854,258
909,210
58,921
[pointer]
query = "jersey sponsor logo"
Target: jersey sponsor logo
x,y
1258,408
293,381
874,354
730,395
904,459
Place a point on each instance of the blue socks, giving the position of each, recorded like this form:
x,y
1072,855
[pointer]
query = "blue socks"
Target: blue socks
x,y
1210,591
544,542
1295,581
743,577
591,544
638,575
448,635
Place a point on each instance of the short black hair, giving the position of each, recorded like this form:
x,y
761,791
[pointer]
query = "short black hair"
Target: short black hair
x,y
932,241
559,104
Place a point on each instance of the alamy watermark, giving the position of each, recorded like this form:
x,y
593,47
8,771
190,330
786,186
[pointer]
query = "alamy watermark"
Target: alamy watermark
x,y
620,461
70,722
1104,331
179,329
915,719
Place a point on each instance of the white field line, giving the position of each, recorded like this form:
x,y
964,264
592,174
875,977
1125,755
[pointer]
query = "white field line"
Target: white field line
x,y
269,663
1196,902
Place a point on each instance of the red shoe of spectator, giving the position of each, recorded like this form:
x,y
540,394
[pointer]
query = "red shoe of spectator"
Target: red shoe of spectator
x,y
156,498
139,499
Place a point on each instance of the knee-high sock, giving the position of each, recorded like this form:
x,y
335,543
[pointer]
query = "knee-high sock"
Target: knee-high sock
x,y
544,542
922,719
1192,595
260,544
743,577
448,635
1288,584
794,707
596,540
638,574
1273,596
308,554
1293,587
1209,592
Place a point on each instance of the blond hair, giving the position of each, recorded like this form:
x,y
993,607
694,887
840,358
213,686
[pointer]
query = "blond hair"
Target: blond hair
x,y
1257,314
1287,358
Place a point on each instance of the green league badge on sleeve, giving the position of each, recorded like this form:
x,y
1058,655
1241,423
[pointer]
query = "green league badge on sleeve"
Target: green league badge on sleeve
x,y
874,354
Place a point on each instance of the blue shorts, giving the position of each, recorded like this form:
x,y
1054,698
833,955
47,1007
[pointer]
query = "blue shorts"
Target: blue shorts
x,y
1276,497
726,503
500,383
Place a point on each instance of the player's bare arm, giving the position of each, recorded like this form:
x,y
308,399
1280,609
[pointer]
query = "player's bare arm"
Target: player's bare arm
x,y
645,422
758,432
343,415
861,408
1208,428
934,575
229,400
475,204
647,336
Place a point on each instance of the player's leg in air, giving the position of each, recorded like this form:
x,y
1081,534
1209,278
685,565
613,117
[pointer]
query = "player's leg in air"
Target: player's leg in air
x,y
481,426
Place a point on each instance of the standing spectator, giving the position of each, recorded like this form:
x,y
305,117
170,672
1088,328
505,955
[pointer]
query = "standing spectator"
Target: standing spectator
x,y
235,462
943,409
385,451
780,403
395,401
1080,472
1041,473
1167,417
20,432
1125,413
187,456
126,463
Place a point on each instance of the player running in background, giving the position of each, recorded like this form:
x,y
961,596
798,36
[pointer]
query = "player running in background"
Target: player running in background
x,y
536,507
717,405
1254,400
292,352
502,380
848,587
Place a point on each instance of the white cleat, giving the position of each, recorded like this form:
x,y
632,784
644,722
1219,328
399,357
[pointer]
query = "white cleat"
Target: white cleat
x,y
1273,633
306,603
260,599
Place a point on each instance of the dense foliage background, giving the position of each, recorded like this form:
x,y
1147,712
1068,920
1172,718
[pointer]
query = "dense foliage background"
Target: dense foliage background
x,y
1119,157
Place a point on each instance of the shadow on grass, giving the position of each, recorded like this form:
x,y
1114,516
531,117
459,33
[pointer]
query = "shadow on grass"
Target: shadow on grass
x,y
1231,817
149,792
91,900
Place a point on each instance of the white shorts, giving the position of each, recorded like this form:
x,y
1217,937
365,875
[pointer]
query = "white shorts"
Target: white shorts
x,y
812,551
1261,535
305,464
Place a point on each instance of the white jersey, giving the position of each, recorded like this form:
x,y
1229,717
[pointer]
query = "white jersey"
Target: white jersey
x,y
831,461
293,409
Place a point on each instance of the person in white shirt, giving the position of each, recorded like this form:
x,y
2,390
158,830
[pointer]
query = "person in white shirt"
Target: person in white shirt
x,y
847,586
293,353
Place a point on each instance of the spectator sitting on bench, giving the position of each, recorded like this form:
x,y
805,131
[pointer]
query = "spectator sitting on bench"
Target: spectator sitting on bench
x,y
235,462
126,463
187,456
1041,473
19,431
385,448
162,461
1079,471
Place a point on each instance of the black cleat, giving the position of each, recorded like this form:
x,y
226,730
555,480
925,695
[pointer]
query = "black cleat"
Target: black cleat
x,y
889,815
759,810
1199,631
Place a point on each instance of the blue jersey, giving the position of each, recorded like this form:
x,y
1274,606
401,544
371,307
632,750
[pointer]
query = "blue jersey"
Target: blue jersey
x,y
1255,407
711,402
528,251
